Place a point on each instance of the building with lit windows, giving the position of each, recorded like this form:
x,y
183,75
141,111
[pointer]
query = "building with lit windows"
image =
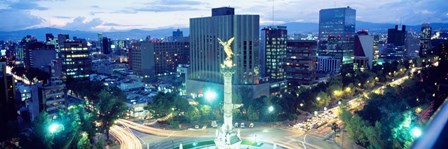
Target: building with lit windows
x,y
76,62
425,39
207,55
273,52
301,62
154,60
336,35
48,97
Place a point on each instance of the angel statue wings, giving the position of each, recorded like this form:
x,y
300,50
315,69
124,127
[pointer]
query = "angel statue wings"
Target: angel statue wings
x,y
227,48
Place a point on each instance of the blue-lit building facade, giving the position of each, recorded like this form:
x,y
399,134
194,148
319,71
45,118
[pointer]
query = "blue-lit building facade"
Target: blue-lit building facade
x,y
336,35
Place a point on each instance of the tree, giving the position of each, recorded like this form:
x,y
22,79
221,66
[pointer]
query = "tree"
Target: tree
x,y
109,109
40,135
193,115
322,100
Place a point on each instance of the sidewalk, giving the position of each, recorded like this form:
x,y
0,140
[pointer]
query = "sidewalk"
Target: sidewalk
x,y
343,139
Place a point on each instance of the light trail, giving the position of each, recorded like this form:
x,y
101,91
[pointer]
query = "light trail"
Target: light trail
x,y
126,139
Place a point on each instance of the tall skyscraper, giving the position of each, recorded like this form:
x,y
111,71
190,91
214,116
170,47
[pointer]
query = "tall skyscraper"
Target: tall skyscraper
x,y
106,46
336,35
75,60
100,42
273,52
206,54
395,36
178,35
301,63
425,39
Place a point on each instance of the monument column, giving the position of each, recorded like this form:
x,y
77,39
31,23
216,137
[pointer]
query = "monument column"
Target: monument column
x,y
226,138
227,72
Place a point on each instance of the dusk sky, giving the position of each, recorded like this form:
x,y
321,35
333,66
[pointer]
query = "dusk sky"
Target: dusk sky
x,y
110,15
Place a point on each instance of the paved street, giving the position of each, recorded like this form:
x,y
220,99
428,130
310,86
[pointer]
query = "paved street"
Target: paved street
x,y
283,137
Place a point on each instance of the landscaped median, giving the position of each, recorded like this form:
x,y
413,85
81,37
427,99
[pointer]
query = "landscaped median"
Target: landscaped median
x,y
211,143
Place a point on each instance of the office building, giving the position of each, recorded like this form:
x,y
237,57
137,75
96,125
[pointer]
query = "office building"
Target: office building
x,y
273,52
425,39
395,36
49,98
49,37
75,60
206,54
336,35
158,59
328,64
39,55
301,62
363,50
106,45
178,35
412,45
61,39
8,111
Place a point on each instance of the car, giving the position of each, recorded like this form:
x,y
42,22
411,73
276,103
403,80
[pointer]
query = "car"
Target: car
x,y
251,125
236,125
242,125
214,124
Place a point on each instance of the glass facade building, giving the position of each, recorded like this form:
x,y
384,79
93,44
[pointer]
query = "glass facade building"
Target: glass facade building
x,y
336,33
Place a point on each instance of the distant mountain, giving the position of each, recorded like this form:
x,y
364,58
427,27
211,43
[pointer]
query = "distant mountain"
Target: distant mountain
x,y
293,27
39,33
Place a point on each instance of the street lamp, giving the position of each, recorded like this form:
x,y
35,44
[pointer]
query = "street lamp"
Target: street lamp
x,y
210,95
318,98
271,108
301,104
54,127
416,132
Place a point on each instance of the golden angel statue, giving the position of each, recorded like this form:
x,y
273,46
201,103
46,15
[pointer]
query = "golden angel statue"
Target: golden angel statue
x,y
227,48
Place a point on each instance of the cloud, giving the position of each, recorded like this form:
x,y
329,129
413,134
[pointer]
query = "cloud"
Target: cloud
x,y
418,11
81,23
26,5
95,6
176,2
163,8
17,20
62,17
115,24
96,12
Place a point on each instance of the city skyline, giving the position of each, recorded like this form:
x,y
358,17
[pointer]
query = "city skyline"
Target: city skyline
x,y
120,15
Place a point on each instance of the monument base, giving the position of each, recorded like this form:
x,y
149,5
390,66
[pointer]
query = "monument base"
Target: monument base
x,y
227,140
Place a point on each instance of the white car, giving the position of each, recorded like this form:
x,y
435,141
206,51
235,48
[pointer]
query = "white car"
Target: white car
x,y
242,125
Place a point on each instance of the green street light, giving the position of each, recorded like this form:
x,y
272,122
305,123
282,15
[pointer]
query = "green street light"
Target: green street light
x,y
54,127
416,132
210,95
271,108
